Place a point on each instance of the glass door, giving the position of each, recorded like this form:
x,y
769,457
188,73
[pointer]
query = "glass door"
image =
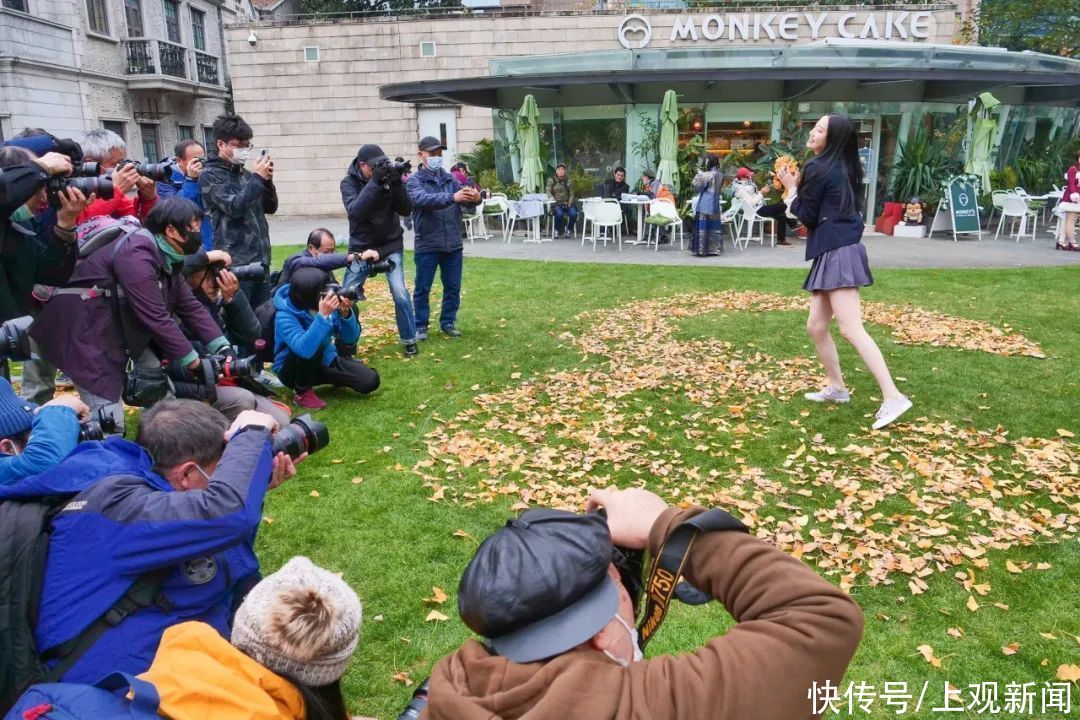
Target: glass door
x,y
869,146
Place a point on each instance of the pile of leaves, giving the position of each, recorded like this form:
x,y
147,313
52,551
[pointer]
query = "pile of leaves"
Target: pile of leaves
x,y
924,497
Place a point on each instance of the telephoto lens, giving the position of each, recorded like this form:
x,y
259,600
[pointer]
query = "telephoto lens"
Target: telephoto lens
x,y
15,338
378,268
305,434
417,703
97,427
252,271
86,169
102,187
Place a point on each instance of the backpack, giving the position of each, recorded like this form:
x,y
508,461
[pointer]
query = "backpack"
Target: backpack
x,y
24,547
104,700
97,232
264,347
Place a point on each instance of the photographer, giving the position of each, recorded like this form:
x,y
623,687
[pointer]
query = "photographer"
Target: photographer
x,y
374,195
313,323
34,439
557,622
319,253
109,151
34,253
185,183
238,201
92,332
180,510
437,200
218,291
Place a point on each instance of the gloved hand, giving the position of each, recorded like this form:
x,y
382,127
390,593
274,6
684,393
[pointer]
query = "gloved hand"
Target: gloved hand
x,y
381,174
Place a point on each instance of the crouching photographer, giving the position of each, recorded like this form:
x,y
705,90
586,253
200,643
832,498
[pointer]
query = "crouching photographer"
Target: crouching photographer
x,y
34,439
375,200
112,325
554,595
315,335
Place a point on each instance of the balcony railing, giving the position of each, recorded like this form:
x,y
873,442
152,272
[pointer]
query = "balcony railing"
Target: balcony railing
x,y
207,68
147,56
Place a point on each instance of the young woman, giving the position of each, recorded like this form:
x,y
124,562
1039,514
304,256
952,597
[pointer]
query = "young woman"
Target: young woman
x,y
826,200
1069,207
707,237
292,639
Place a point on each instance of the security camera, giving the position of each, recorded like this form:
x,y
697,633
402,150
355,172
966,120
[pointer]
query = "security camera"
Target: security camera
x,y
252,39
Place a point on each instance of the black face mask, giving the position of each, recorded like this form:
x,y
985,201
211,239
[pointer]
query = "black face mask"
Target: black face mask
x,y
192,242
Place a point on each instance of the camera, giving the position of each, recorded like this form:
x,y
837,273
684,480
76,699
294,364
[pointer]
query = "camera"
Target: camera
x,y
378,268
305,434
255,271
86,169
162,171
391,169
231,367
352,293
417,703
100,186
15,338
97,427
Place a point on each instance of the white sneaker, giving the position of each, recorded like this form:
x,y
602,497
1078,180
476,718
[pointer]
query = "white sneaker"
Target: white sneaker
x,y
269,380
890,410
829,394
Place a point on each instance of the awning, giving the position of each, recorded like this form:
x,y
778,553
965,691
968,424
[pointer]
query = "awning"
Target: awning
x,y
830,70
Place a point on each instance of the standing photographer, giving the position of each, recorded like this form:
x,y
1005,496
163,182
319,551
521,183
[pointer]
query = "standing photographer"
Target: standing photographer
x,y
238,201
109,151
185,183
374,195
106,328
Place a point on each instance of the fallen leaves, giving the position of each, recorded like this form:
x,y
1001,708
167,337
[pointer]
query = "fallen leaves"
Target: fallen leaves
x,y
1010,649
955,632
435,616
928,654
972,604
1068,673
438,596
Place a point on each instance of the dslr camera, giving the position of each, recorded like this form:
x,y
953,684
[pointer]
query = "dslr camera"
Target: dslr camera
x,y
231,367
100,186
305,434
159,172
97,427
255,271
15,338
352,293
389,170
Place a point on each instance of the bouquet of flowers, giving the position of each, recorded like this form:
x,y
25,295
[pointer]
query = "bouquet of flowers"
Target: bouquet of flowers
x,y
783,161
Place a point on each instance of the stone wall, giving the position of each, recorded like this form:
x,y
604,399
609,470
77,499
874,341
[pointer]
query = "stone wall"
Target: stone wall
x,y
314,115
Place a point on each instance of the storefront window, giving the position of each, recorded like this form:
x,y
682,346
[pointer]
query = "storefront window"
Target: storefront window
x,y
596,146
739,138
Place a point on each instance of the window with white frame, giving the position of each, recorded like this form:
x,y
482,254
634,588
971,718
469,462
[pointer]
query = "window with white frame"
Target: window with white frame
x,y
427,49
97,16
311,54
198,29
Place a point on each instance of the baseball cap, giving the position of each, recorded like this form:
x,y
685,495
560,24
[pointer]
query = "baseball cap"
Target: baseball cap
x,y
744,173
540,586
370,152
430,143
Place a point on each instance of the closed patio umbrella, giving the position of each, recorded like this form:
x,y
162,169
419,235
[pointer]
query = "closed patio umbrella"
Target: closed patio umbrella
x,y
532,169
982,131
668,171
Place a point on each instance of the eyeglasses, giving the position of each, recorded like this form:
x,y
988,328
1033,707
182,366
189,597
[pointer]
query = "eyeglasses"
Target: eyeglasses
x,y
240,146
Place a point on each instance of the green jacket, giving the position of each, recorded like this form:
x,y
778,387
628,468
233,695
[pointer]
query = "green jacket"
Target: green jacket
x,y
560,190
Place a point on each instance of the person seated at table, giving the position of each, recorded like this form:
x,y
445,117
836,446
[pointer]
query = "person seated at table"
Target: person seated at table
x,y
649,184
743,189
559,190
615,187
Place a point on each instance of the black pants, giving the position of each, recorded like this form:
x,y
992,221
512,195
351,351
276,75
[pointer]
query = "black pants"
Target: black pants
x,y
304,373
776,211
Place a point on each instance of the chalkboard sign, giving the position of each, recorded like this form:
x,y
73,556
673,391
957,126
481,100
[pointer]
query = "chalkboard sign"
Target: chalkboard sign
x,y
961,201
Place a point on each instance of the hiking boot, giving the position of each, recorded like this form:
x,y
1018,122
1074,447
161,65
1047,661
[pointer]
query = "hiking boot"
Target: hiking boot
x,y
308,400
411,350
421,333
890,410
829,394
451,331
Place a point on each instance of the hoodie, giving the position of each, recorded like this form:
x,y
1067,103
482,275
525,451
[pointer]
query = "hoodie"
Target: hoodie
x,y
301,333
199,675
374,212
792,629
238,202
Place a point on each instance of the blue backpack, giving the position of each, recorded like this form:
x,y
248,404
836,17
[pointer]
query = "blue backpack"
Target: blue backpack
x,y
104,700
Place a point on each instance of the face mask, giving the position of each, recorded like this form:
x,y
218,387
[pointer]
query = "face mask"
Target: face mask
x,y
240,155
192,242
638,655
435,163
22,215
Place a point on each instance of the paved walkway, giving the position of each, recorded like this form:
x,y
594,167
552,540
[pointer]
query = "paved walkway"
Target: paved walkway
x,y
884,251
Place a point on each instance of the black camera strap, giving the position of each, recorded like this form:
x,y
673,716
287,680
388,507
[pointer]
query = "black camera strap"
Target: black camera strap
x,y
667,567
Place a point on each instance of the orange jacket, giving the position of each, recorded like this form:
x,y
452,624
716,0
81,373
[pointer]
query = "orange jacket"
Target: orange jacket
x,y
200,676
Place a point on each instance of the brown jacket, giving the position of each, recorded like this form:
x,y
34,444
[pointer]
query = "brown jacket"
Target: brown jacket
x,y
793,629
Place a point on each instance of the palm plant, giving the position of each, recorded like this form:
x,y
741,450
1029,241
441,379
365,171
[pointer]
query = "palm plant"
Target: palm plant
x,y
922,164
480,158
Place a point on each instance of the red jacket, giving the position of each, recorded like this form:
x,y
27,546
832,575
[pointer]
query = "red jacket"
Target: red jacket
x,y
118,206
1073,184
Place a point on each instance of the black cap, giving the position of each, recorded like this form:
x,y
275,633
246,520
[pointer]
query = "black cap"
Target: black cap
x,y
430,143
368,153
540,585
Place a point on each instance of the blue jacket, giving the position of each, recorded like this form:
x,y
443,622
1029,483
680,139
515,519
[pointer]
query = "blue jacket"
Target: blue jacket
x,y
297,332
126,521
817,205
188,188
53,435
436,217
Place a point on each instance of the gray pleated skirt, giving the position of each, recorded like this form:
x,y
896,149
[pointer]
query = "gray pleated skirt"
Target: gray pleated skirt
x,y
843,267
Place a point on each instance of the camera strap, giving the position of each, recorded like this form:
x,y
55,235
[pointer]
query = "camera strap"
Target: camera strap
x,y
667,567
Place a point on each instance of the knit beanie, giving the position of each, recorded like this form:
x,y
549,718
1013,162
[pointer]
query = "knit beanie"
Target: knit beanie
x,y
302,622
16,414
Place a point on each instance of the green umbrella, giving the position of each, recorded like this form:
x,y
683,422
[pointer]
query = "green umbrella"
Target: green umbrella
x,y
668,171
532,169
983,130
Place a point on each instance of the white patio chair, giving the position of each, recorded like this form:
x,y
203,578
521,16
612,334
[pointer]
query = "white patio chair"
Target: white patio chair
x,y
607,216
996,199
497,206
588,214
732,217
662,216
1016,208
748,219
474,226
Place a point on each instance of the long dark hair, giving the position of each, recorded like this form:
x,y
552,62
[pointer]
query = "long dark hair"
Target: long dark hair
x,y
841,149
322,703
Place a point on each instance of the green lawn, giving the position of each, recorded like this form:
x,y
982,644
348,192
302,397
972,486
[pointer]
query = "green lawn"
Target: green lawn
x,y
713,413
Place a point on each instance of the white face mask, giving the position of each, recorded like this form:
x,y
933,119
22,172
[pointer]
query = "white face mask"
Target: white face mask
x,y
240,156
638,655
435,162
